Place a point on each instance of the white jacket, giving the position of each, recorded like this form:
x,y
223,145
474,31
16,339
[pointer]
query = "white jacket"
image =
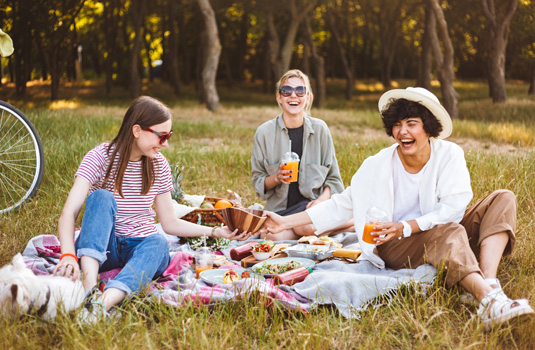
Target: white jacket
x,y
444,193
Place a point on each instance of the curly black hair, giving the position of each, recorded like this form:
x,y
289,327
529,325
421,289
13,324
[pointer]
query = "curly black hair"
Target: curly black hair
x,y
399,109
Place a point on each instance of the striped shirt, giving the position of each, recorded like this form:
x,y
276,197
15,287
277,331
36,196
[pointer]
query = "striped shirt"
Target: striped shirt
x,y
135,216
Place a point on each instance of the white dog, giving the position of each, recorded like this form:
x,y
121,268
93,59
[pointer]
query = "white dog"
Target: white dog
x,y
22,292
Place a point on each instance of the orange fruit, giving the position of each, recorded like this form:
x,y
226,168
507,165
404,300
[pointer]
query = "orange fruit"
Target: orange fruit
x,y
222,203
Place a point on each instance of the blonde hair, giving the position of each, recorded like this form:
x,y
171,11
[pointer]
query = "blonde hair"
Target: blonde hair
x,y
296,73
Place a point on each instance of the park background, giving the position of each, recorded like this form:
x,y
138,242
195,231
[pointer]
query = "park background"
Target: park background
x,y
78,64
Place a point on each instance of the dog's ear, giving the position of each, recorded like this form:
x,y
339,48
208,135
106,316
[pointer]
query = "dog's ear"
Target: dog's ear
x,y
14,291
18,262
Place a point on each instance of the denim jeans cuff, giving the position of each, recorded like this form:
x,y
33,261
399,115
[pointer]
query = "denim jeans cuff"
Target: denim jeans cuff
x,y
92,253
118,285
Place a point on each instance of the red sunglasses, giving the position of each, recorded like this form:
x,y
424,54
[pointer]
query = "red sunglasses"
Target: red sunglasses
x,y
164,136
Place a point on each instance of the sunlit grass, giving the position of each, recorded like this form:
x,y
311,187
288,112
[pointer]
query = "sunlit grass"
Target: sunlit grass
x,y
214,149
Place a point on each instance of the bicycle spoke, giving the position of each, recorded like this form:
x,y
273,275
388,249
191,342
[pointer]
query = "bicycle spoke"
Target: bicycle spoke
x,y
21,161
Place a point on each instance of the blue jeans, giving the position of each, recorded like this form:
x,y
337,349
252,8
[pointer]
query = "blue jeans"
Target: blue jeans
x,y
141,259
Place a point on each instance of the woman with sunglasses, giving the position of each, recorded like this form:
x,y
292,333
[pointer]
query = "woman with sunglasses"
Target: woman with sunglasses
x,y
124,179
318,175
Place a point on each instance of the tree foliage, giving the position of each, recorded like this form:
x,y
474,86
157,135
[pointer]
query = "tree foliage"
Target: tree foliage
x,y
355,39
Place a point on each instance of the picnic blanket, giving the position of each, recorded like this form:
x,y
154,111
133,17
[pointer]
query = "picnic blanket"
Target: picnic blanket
x,y
350,287
176,286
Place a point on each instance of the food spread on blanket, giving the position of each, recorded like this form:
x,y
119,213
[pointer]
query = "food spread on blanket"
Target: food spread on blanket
x,y
293,276
273,269
347,253
230,276
322,240
265,246
242,251
310,251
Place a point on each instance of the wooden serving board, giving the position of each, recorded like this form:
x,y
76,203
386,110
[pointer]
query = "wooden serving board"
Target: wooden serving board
x,y
250,260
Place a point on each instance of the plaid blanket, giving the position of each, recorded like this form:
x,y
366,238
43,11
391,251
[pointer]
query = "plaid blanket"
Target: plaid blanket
x,y
176,286
350,287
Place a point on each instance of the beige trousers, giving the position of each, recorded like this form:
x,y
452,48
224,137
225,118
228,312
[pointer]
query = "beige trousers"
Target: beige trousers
x,y
453,246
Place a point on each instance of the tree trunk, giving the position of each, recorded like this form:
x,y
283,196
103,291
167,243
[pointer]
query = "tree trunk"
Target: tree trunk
x,y
227,68
43,60
347,67
242,47
531,90
444,61
273,47
137,10
146,42
319,68
425,66
211,56
173,50
55,70
497,45
20,34
298,14
305,63
187,71
267,67
111,27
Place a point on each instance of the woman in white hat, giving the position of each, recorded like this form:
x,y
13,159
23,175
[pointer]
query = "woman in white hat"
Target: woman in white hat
x,y
423,185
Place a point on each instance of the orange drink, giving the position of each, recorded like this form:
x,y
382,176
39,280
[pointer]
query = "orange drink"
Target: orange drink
x,y
203,260
374,216
294,167
366,236
199,269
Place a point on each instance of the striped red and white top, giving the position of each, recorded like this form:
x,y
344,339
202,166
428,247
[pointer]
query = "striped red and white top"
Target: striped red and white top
x,y
135,216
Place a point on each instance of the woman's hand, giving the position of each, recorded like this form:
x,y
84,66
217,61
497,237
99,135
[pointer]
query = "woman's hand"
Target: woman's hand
x,y
283,176
388,230
67,267
273,224
224,232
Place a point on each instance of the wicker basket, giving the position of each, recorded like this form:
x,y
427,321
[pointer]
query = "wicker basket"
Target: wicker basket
x,y
209,217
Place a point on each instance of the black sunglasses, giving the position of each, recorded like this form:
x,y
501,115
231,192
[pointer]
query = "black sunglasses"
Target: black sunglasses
x,y
287,90
164,136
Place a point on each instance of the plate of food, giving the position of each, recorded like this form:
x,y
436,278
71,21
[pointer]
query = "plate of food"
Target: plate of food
x,y
321,240
270,268
310,251
225,276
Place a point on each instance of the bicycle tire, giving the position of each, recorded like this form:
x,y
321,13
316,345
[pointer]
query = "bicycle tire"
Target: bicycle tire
x,y
21,158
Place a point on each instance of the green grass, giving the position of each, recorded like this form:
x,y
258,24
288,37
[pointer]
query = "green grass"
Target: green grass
x,y
215,149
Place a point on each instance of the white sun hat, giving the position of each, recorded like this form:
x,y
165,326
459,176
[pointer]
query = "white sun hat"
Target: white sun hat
x,y
424,97
6,44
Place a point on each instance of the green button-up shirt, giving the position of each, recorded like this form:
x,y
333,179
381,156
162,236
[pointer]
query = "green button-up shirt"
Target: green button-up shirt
x,y
318,167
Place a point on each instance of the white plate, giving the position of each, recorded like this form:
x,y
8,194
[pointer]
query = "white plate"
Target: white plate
x,y
303,261
215,276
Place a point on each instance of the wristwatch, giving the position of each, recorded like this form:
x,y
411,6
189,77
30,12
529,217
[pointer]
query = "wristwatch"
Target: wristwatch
x,y
407,229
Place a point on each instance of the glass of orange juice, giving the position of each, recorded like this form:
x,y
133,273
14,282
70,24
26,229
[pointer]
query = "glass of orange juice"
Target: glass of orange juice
x,y
291,159
203,260
373,216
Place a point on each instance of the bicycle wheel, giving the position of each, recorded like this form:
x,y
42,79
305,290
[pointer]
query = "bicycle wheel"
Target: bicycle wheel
x,y
21,158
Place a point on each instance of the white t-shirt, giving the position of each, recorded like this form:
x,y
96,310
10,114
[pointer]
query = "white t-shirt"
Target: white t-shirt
x,y
135,216
406,189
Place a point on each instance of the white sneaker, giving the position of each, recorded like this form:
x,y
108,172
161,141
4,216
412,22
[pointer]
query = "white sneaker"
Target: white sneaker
x,y
496,308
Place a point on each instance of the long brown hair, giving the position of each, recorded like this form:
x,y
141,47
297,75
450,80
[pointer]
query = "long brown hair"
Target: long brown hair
x,y
144,111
